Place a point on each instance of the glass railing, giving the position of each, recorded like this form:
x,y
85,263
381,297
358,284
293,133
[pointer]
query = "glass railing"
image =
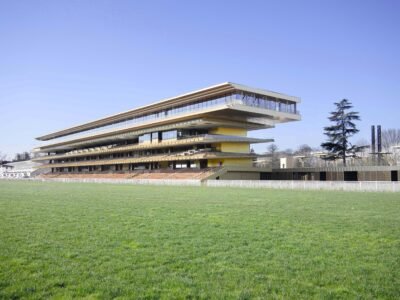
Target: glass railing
x,y
238,98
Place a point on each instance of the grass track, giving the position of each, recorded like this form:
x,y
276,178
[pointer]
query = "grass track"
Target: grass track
x,y
100,241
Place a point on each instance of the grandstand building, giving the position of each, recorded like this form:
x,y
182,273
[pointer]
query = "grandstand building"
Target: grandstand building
x,y
203,133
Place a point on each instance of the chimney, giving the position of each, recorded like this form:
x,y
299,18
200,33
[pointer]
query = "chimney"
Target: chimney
x,y
372,139
379,139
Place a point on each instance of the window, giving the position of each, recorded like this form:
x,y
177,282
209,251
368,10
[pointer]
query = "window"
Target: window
x,y
169,135
154,137
145,138
239,97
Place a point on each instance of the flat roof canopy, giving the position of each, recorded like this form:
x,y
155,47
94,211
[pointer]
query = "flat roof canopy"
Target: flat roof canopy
x,y
216,90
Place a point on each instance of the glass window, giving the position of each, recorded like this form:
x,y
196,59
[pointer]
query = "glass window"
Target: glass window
x,y
168,135
144,138
154,136
240,97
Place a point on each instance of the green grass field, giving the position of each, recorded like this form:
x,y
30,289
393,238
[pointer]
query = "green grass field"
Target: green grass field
x,y
102,241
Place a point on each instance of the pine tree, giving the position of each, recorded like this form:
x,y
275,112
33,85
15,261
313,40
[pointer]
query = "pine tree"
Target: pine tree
x,y
339,133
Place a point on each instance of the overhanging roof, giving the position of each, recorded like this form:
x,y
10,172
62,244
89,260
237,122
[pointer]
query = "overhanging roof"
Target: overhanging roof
x,y
211,91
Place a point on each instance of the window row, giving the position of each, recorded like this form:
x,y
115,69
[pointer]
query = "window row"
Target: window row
x,y
242,98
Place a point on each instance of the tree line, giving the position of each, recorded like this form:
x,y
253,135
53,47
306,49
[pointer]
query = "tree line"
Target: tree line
x,y
17,157
338,145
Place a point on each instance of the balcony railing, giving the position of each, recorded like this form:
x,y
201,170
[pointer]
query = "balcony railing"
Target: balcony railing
x,y
176,156
238,98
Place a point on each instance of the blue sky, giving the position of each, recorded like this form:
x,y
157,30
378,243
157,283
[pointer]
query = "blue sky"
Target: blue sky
x,y
67,62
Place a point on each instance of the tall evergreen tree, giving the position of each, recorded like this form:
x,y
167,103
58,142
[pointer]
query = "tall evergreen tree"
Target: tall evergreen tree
x,y
339,133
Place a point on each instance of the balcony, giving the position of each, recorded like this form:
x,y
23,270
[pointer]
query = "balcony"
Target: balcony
x,y
230,100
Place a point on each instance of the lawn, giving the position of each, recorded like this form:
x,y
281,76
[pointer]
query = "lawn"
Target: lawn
x,y
102,241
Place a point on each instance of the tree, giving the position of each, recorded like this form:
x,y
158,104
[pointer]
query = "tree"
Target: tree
x,y
3,158
272,151
303,150
390,145
22,156
272,148
288,152
338,134
303,156
390,138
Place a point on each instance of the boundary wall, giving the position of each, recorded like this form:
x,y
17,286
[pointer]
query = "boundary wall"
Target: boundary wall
x,y
361,186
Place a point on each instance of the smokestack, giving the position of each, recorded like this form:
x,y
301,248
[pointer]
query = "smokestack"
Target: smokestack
x,y
372,139
379,139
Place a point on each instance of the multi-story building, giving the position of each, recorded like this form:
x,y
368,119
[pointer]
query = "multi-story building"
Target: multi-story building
x,y
199,130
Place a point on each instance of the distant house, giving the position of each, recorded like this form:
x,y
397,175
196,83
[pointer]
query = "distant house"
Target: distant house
x,y
4,168
20,169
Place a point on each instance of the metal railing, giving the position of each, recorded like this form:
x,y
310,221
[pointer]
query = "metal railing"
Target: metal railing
x,y
238,98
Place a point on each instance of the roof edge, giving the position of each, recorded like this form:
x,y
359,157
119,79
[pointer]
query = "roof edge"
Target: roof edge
x,y
219,88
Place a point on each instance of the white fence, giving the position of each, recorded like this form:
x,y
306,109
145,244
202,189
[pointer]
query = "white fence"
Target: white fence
x,y
180,182
362,186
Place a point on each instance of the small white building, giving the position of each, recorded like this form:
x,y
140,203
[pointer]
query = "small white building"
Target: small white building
x,y
3,169
287,162
20,169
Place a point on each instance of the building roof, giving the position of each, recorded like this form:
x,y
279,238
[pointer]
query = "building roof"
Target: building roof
x,y
211,91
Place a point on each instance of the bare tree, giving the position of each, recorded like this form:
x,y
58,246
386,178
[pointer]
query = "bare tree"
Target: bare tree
x,y
272,151
390,138
288,152
390,145
272,148
303,156
22,156
303,150
27,155
3,157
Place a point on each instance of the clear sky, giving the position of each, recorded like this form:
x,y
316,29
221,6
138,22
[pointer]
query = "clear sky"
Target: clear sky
x,y
67,62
